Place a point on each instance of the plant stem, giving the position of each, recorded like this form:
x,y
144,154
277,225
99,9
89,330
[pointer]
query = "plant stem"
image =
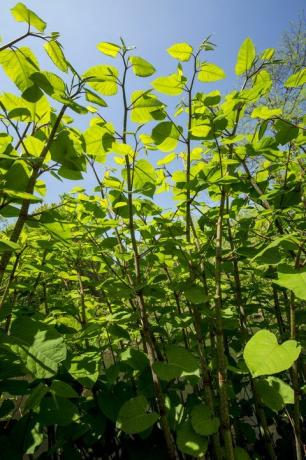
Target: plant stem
x,y
147,335
222,372
24,210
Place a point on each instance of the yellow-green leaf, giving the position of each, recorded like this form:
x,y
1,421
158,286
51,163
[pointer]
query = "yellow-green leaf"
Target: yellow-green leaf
x,y
180,51
19,64
141,67
33,145
265,113
210,72
109,49
172,85
264,356
246,56
297,79
267,54
167,159
103,78
56,54
22,14
165,136
146,107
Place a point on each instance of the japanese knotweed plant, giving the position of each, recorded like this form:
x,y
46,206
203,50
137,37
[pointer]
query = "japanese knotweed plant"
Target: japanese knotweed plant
x,y
161,315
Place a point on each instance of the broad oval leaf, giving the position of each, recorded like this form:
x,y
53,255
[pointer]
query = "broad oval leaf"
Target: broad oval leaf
x,y
264,356
246,56
109,49
265,113
293,279
172,85
181,358
133,416
165,136
210,72
180,51
297,79
141,67
23,14
274,393
146,107
55,53
191,443
19,64
203,421
103,79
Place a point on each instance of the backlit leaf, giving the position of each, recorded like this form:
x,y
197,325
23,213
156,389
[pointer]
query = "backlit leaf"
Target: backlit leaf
x,y
141,67
109,49
246,56
56,54
22,14
180,51
210,72
264,356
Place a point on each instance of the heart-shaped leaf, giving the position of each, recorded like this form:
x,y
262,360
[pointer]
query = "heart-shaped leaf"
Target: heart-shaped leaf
x,y
264,356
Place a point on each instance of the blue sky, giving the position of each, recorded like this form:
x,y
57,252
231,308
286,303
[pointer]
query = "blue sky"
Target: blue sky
x,y
153,26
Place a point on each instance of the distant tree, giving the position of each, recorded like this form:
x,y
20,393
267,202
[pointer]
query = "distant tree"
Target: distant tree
x,y
290,58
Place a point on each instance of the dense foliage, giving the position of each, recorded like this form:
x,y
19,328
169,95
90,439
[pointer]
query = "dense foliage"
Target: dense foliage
x,y
131,329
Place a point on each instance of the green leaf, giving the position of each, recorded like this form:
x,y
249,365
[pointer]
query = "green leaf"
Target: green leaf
x,y
264,356
273,253
146,107
166,135
136,359
22,14
133,416
191,443
210,72
167,159
40,347
195,294
166,371
35,397
109,49
274,393
98,141
118,331
265,113
200,130
246,56
63,389
55,53
141,67
267,54
144,177
297,79
180,51
181,358
120,148
19,64
172,85
85,368
241,454
68,150
202,420
33,145
103,79
54,410
51,84
21,195
8,246
292,279
94,98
